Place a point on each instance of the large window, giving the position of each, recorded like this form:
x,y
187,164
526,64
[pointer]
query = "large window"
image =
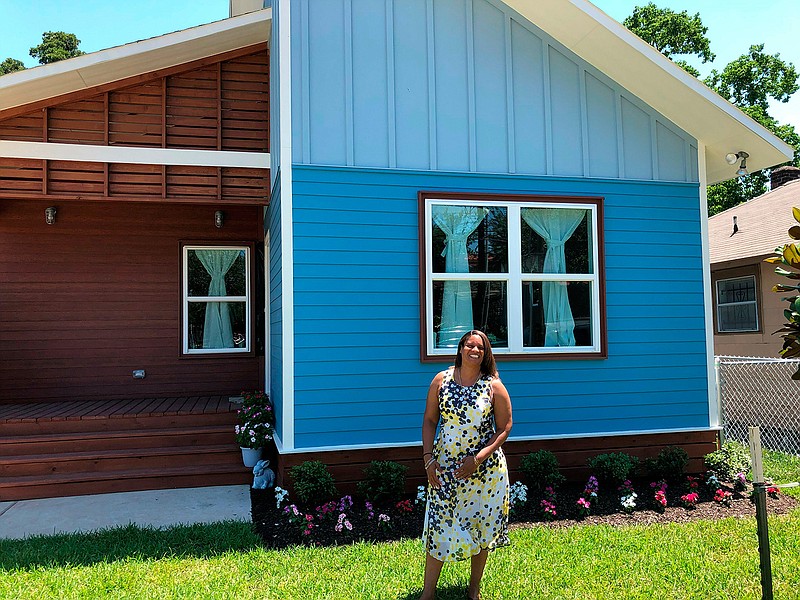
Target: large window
x,y
525,270
737,310
216,299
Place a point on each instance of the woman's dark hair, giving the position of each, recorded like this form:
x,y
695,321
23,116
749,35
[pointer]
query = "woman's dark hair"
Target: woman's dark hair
x,y
488,366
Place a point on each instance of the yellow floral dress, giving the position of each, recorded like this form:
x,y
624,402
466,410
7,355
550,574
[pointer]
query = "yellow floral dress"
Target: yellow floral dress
x,y
466,516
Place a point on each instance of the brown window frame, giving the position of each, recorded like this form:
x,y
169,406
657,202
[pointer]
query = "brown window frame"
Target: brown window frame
x,y
500,355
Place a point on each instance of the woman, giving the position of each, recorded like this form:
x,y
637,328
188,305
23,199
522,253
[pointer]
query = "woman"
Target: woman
x,y
467,512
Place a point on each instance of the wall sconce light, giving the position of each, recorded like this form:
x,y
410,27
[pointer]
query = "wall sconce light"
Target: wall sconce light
x,y
50,215
219,217
731,159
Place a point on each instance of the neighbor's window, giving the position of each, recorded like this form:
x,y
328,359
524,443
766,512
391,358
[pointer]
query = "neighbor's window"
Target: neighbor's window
x,y
737,310
524,272
216,299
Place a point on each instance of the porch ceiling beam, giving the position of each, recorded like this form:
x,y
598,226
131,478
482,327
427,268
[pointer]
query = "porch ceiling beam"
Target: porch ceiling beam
x,y
134,155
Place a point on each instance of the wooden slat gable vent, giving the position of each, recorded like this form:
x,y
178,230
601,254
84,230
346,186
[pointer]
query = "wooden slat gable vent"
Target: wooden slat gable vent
x,y
220,103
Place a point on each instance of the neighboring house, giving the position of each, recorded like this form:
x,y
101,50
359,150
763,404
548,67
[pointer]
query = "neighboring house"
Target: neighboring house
x,y
746,310
529,168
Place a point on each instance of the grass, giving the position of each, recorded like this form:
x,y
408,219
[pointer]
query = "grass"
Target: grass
x,y
705,559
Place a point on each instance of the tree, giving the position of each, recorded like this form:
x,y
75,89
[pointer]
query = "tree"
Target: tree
x,y
10,65
671,33
55,46
754,78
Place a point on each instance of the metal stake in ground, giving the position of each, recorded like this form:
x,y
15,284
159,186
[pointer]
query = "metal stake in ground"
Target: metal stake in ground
x,y
760,492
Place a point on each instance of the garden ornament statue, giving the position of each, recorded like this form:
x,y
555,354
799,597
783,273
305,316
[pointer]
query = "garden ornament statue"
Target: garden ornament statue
x,y
264,477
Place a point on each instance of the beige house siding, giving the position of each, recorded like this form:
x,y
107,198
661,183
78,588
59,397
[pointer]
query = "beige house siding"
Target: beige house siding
x,y
770,310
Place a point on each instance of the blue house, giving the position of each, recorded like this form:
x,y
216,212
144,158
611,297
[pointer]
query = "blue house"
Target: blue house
x,y
531,169
317,198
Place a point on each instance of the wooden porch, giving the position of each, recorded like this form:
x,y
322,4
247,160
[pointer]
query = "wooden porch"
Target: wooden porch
x,y
91,447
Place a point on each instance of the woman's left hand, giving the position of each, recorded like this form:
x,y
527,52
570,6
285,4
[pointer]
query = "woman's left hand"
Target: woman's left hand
x,y
467,467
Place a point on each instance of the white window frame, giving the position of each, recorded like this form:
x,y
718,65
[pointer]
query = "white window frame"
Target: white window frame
x,y
247,299
514,278
720,305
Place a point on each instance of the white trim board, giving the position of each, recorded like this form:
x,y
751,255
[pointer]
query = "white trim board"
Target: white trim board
x,y
134,156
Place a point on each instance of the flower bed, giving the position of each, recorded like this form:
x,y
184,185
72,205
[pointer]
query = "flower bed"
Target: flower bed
x,y
280,523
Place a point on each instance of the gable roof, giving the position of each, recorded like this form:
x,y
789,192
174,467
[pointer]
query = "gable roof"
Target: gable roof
x,y
627,59
763,223
578,24
121,62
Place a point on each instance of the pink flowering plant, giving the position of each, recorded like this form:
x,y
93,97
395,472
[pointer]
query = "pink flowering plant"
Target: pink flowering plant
x,y
740,482
659,494
256,420
548,504
299,520
690,499
589,495
723,497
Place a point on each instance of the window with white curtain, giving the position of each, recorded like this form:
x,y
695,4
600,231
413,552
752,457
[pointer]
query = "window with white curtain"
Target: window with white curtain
x,y
524,270
216,299
737,307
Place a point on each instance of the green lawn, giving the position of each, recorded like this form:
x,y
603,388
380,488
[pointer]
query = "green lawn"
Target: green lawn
x,y
705,560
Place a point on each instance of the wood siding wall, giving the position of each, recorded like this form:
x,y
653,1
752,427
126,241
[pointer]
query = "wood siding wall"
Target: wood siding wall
x,y
89,299
221,103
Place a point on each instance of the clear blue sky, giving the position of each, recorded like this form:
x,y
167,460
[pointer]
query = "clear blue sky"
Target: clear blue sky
x,y
733,25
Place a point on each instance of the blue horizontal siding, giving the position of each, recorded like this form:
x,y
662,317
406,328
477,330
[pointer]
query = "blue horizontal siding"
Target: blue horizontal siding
x,y
276,305
356,283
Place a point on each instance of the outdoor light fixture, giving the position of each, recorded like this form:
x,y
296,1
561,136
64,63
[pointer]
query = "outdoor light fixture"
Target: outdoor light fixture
x,y
50,215
218,218
731,159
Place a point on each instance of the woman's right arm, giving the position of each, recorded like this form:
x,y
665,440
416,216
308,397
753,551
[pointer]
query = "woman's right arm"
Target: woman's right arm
x,y
429,422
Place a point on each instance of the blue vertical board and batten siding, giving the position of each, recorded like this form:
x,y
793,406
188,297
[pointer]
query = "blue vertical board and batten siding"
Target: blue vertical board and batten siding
x,y
468,86
358,377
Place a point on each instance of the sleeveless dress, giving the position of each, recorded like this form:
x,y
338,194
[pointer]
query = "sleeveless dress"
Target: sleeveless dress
x,y
466,516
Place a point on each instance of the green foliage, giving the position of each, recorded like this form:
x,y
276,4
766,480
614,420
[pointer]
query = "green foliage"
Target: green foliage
x,y
613,468
384,481
670,464
754,78
313,483
730,459
56,46
540,469
10,65
670,32
788,255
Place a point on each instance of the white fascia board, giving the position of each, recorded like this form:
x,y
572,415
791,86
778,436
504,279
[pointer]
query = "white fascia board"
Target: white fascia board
x,y
136,58
133,155
642,70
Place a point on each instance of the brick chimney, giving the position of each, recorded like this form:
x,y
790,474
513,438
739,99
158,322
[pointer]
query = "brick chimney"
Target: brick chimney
x,y
782,175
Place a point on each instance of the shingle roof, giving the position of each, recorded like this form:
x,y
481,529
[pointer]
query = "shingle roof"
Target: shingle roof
x,y
763,223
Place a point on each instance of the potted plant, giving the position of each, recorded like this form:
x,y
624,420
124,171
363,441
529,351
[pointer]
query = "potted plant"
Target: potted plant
x,y
255,427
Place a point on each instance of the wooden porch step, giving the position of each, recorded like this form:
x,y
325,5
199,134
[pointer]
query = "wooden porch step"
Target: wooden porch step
x,y
38,465
74,484
57,443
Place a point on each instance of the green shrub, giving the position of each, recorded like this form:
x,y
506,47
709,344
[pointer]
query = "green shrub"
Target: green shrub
x,y
670,464
613,468
729,460
539,470
384,481
313,483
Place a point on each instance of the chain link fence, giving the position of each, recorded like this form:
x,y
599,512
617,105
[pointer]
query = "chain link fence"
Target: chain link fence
x,y
760,391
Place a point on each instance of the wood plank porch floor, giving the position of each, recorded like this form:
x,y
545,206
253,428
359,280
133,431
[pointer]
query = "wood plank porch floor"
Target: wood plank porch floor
x,y
114,409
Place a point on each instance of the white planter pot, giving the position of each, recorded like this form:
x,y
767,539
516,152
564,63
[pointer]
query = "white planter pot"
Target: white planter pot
x,y
250,456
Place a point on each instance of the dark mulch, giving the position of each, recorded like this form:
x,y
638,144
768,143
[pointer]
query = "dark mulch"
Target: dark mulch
x,y
272,526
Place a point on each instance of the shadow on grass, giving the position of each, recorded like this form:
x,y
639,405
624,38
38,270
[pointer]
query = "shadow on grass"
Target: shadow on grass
x,y
449,592
130,541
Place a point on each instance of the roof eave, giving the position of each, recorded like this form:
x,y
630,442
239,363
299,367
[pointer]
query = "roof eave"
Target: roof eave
x,y
603,42
121,62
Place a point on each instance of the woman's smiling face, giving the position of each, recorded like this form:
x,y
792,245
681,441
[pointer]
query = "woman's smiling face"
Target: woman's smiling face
x,y
473,350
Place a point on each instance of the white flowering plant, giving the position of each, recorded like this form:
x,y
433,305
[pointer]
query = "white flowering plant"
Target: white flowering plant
x,y
518,495
256,420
